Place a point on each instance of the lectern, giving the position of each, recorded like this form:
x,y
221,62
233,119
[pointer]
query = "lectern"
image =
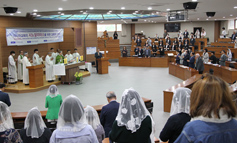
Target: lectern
x,y
103,65
36,76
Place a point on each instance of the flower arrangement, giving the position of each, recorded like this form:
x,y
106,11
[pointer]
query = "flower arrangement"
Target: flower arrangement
x,y
78,76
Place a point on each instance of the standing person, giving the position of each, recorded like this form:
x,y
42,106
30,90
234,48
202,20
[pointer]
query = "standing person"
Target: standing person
x,y
140,52
154,49
192,60
149,41
212,111
60,58
165,34
203,33
186,34
133,123
139,41
69,56
109,112
93,120
179,115
53,102
7,132
98,55
233,36
177,59
147,52
20,66
160,43
26,63
192,41
167,47
12,68
229,55
223,58
213,58
186,58
35,130
199,64
54,55
72,126
115,35
50,77
37,60
236,43
197,33
4,97
205,56
125,52
182,57
76,55
223,33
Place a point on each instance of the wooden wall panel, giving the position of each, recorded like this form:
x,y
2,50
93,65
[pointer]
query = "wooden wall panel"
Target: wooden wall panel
x,y
217,30
1,74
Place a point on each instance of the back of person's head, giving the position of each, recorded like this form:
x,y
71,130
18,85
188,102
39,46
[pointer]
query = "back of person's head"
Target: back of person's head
x,y
52,91
5,117
35,50
92,117
210,95
2,85
213,53
181,101
111,95
211,71
34,123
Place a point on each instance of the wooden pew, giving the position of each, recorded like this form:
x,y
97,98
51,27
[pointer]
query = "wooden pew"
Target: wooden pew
x,y
198,42
216,44
144,62
217,51
227,63
224,40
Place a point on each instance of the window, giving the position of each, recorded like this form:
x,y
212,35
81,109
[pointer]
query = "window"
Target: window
x,y
231,24
109,27
235,23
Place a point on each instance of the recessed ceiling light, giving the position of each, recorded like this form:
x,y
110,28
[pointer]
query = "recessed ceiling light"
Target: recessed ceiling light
x,y
64,0
149,8
81,11
231,15
134,13
18,11
224,17
144,20
207,19
91,7
84,12
122,7
60,8
34,13
194,0
110,11
198,18
168,9
11,14
235,7
38,15
62,13
59,12
35,10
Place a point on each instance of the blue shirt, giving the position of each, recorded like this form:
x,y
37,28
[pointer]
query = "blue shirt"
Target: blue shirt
x,y
207,132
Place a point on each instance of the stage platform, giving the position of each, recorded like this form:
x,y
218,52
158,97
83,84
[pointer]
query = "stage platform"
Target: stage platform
x,y
19,87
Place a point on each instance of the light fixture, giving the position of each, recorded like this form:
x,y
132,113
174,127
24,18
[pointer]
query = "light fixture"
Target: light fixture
x,y
144,20
122,7
64,0
59,12
91,7
178,12
60,8
207,19
18,11
134,13
167,9
84,12
224,17
198,18
35,10
81,11
34,13
62,13
194,0
38,15
110,11
215,19
235,7
231,15
149,8
11,14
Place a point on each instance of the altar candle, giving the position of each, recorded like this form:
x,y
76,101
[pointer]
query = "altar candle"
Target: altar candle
x,y
77,59
65,60
81,58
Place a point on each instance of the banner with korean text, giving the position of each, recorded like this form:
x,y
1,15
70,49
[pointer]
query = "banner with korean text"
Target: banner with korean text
x,y
33,36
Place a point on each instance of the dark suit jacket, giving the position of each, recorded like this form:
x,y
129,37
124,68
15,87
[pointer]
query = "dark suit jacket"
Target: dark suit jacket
x,y
161,50
186,34
160,43
185,41
178,59
186,57
167,49
148,54
98,55
4,97
191,62
213,59
108,115
141,53
136,51
192,41
233,37
199,64
138,41
153,47
168,42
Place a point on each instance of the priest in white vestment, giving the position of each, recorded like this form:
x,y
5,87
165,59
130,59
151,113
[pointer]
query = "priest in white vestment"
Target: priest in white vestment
x,y
49,67
75,55
69,56
20,66
54,55
37,60
26,63
12,68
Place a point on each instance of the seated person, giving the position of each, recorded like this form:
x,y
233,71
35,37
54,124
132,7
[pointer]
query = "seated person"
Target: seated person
x,y
125,52
213,58
133,123
69,56
174,46
168,41
176,41
154,50
35,130
161,50
4,97
160,43
93,120
213,111
192,41
180,45
186,40
186,46
179,115
72,126
7,133
167,47
136,50
140,52
147,53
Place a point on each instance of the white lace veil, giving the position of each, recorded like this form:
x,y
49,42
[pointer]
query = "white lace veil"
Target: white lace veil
x,y
181,101
34,123
5,117
92,117
132,110
71,113
52,91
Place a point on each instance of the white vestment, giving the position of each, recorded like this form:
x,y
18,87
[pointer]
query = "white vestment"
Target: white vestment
x,y
12,69
54,55
20,67
36,59
26,63
69,57
75,55
49,68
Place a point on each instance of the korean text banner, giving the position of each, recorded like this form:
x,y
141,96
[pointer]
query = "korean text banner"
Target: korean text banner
x,y
32,36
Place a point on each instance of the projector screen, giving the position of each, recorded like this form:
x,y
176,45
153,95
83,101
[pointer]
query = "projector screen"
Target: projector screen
x,y
172,27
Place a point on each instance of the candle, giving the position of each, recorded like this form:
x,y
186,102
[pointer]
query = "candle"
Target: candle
x,y
81,58
77,59
65,60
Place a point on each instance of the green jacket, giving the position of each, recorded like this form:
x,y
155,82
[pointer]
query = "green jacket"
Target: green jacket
x,y
59,60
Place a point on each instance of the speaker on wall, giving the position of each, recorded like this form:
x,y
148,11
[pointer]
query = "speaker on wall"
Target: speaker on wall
x,y
210,14
190,5
10,9
134,20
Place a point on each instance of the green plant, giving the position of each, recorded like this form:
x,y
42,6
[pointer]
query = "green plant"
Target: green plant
x,y
78,76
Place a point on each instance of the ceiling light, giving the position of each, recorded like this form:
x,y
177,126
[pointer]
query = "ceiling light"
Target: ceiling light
x,y
122,7
59,12
81,11
144,20
178,12
91,8
168,9
152,21
11,14
62,13
18,12
64,0
35,10
134,13
231,15
60,8
207,19
157,12
198,18
194,0
84,12
34,13
38,15
235,7
110,11
224,17
215,19
149,8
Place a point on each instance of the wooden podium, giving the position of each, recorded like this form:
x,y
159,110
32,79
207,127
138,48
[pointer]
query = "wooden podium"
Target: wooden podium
x,y
103,65
36,76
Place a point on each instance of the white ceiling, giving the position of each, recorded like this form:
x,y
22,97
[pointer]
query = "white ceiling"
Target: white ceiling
x,y
223,8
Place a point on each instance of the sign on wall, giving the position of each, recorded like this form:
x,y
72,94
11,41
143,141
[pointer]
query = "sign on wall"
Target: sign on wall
x,y
90,50
32,36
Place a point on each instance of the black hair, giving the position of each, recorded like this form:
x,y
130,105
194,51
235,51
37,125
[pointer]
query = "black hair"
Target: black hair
x,y
12,52
35,50
20,51
51,48
213,53
223,51
75,49
211,71
2,85
68,50
206,50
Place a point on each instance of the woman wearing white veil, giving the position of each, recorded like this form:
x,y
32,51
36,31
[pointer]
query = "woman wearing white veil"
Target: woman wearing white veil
x,y
229,55
53,102
133,123
93,120
35,130
72,126
7,132
179,115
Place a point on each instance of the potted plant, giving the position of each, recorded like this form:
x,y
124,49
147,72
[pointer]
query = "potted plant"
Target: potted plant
x,y
79,77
